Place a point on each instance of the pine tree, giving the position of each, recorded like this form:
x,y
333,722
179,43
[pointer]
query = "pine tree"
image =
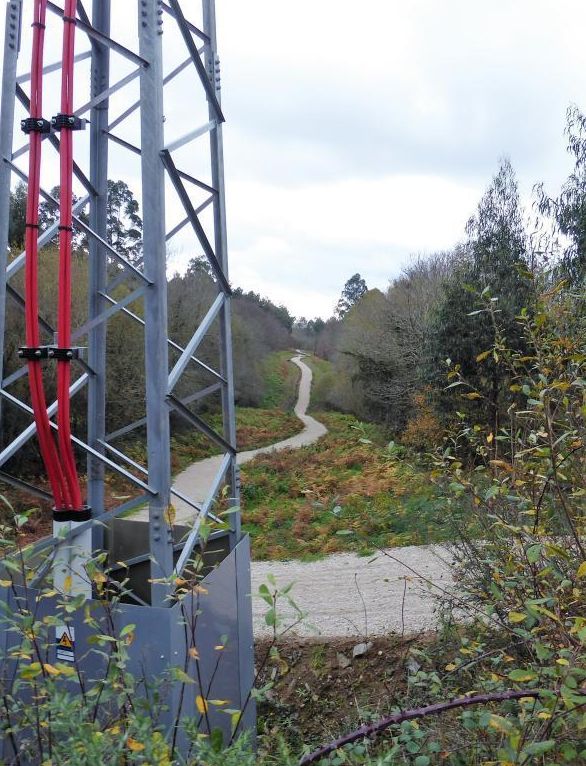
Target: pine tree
x,y
493,262
353,291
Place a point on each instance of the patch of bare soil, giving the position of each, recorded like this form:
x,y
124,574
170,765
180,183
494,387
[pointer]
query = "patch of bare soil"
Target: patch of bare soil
x,y
322,688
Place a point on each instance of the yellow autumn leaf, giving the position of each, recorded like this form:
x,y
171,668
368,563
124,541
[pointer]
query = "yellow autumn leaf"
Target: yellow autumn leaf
x,y
219,647
134,745
562,661
5,583
67,583
201,704
499,723
472,395
490,438
483,356
450,667
516,617
50,669
193,653
527,701
169,515
581,570
219,703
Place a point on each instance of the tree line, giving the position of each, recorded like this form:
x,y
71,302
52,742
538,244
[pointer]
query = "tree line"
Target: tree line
x,y
400,356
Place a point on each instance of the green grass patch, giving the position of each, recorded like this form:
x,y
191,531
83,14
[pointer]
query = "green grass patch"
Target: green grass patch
x,y
347,492
321,383
281,379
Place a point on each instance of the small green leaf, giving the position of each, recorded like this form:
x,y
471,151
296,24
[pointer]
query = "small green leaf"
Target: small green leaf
x,y
533,553
539,748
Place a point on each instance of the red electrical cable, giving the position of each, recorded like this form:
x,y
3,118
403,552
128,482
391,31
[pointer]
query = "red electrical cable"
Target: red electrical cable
x,y
65,237
46,443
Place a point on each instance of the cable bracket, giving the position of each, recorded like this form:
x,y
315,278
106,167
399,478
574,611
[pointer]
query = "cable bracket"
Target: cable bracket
x,y
67,121
40,353
35,125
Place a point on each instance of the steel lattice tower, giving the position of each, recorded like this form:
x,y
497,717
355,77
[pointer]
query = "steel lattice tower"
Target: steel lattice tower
x,y
152,31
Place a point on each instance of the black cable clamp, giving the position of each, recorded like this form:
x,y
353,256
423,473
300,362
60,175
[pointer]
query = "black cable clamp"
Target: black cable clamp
x,y
32,226
71,121
64,354
40,353
70,19
35,125
67,514
33,353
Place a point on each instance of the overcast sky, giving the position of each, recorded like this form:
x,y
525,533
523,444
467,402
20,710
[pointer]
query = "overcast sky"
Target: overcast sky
x,y
359,134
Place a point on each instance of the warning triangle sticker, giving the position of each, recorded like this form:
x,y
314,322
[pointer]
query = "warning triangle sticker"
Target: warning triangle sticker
x,y
65,642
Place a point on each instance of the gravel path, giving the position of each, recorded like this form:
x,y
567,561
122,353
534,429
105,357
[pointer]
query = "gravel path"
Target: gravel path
x,y
343,594
349,595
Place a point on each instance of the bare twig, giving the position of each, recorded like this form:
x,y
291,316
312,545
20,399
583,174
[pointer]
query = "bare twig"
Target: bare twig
x,y
410,715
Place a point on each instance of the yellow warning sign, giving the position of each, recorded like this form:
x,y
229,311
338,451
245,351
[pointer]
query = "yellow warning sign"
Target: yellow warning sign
x,y
65,640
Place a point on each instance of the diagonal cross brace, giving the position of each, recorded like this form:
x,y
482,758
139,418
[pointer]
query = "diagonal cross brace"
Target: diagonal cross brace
x,y
191,541
193,344
194,220
195,420
197,62
31,430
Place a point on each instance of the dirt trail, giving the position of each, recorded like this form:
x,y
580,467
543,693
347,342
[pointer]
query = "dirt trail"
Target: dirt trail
x,y
343,594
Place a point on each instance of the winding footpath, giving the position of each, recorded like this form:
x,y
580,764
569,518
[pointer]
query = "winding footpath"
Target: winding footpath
x,y
195,481
342,594
348,595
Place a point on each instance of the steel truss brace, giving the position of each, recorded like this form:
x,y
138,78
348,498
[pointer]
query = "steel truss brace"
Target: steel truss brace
x,y
29,432
54,141
86,447
214,388
172,344
194,534
55,67
133,107
200,424
141,469
194,220
195,57
86,229
99,37
195,341
18,263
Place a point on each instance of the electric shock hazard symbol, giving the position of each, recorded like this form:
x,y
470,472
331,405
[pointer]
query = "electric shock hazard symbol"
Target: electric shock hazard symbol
x,y
65,640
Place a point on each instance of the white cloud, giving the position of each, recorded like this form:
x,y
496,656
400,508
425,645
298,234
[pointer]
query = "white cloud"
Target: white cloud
x,y
359,133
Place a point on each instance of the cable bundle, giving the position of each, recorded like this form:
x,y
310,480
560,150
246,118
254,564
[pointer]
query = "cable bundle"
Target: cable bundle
x,y
58,458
